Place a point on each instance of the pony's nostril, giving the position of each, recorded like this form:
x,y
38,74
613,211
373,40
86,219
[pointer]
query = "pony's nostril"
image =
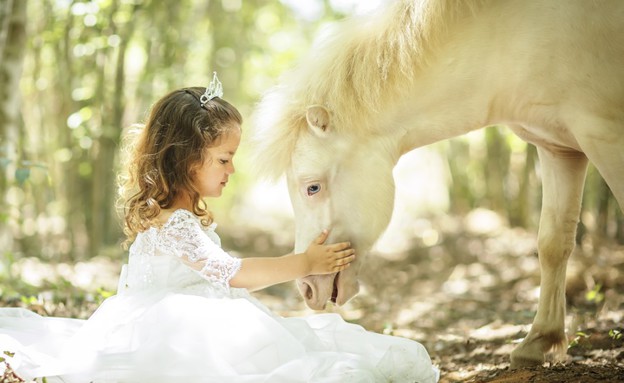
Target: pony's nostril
x,y
309,293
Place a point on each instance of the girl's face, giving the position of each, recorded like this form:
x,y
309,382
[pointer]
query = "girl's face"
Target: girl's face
x,y
212,176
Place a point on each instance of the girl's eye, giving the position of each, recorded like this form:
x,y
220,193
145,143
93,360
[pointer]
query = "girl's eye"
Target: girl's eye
x,y
223,162
313,189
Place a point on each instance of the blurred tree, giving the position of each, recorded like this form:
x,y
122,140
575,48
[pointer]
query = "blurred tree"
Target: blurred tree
x,y
93,67
523,211
602,216
14,167
483,174
103,229
496,170
462,192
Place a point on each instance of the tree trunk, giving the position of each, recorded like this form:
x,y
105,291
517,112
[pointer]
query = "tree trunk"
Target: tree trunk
x,y
496,166
460,188
619,224
103,227
522,206
69,188
12,48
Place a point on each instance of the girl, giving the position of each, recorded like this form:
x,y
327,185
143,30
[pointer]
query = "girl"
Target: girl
x,y
183,312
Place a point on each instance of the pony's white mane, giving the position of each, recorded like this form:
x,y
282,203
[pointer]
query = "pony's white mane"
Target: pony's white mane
x,y
364,64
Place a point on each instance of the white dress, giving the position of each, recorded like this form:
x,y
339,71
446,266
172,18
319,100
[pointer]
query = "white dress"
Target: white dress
x,y
171,323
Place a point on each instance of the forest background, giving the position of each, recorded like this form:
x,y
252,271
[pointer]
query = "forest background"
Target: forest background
x,y
75,74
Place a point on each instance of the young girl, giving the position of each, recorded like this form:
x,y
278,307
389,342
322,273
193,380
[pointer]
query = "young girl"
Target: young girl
x,y
183,312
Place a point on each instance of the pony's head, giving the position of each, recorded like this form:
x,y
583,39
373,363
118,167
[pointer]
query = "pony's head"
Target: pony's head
x,y
336,180
343,183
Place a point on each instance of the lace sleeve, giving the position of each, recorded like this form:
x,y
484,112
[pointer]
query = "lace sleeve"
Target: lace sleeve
x,y
184,237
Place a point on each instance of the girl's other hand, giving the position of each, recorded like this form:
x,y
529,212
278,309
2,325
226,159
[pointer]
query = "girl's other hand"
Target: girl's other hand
x,y
327,259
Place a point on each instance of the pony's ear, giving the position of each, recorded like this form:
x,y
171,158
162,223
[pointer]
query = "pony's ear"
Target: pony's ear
x,y
318,120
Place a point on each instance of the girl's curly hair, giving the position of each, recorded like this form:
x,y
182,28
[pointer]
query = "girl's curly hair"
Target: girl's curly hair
x,y
161,154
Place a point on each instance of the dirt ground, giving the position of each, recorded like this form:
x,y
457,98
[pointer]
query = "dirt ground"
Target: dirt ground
x,y
471,297
467,293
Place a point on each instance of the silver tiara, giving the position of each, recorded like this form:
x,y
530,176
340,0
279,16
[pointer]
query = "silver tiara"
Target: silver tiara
x,y
214,89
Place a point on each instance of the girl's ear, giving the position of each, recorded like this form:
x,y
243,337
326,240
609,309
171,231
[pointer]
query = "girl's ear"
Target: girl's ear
x,y
318,120
192,169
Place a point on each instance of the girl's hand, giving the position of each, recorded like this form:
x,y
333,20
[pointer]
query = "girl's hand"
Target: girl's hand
x,y
327,259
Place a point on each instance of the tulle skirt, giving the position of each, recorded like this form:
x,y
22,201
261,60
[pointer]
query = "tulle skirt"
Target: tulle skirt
x,y
177,337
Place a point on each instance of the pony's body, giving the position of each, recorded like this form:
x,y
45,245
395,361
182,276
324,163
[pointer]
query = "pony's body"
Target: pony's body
x,y
420,72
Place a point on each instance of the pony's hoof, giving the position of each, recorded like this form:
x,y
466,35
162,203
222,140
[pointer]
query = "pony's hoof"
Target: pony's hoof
x,y
520,359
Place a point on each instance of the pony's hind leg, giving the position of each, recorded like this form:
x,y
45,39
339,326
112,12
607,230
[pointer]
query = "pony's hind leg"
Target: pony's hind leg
x,y
563,175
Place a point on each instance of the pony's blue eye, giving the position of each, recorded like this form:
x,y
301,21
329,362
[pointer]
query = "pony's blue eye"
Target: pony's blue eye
x,y
313,189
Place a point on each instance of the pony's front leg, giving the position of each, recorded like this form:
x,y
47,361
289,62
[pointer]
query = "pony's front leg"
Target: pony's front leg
x,y
563,176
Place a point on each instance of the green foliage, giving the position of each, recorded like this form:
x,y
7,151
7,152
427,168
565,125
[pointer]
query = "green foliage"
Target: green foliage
x,y
581,339
12,290
388,328
616,334
595,295
22,171
29,300
102,294
7,353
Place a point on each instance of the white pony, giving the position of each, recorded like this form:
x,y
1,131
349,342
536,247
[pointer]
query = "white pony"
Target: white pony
x,y
421,71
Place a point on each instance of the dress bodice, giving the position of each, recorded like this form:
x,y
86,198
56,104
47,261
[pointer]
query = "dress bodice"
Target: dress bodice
x,y
183,254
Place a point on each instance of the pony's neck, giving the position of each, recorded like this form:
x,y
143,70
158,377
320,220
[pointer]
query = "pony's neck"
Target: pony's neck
x,y
444,103
440,90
